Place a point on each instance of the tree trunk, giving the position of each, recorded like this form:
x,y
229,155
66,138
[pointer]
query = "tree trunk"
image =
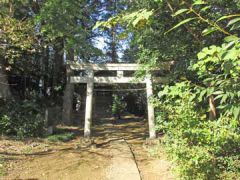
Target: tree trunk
x,y
213,111
113,46
114,42
68,93
5,92
58,65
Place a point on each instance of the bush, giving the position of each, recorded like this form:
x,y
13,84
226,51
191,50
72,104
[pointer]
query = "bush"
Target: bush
x,y
61,137
21,119
118,106
202,148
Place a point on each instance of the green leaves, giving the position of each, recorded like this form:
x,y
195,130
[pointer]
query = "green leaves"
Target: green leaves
x,y
137,19
18,37
219,67
197,144
180,24
233,21
180,11
22,119
236,112
208,31
141,18
118,106
227,17
231,39
199,2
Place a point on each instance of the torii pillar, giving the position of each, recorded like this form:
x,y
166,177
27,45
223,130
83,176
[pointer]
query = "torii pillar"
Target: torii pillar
x,y
89,104
151,116
120,78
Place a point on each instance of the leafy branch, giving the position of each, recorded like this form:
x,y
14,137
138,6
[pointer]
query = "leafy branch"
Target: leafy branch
x,y
214,26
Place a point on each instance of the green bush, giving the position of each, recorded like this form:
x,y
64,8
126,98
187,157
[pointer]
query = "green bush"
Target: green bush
x,y
61,137
118,106
201,148
21,119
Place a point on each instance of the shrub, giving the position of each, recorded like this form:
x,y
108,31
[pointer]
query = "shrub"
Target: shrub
x,y
202,148
118,106
21,119
61,137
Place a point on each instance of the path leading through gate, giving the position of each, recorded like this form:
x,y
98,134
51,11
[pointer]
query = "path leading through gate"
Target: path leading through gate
x,y
113,145
87,76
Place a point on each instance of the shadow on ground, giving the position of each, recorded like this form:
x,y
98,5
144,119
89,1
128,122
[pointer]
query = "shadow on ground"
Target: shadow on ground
x,y
80,158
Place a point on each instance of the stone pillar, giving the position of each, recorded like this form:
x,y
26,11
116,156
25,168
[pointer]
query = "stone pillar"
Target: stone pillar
x,y
89,104
119,74
151,117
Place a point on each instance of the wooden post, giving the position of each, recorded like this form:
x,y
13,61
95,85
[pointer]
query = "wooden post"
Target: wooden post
x,y
151,117
89,103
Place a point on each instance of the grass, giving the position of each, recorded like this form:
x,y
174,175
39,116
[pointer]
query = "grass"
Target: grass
x,y
28,150
155,151
61,137
2,170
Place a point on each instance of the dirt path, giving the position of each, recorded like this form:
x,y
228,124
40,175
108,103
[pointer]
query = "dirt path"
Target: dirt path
x,y
108,156
122,165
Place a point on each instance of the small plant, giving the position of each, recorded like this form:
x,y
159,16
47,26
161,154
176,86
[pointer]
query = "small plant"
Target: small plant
x,y
2,171
118,106
28,150
155,151
61,137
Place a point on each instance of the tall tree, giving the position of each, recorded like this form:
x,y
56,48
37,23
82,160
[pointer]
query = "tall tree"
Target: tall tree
x,y
113,45
17,38
68,92
68,27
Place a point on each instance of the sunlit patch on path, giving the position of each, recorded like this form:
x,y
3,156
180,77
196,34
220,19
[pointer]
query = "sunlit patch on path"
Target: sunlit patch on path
x,y
117,150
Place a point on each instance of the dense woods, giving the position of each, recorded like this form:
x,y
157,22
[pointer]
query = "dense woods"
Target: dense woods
x,y
197,111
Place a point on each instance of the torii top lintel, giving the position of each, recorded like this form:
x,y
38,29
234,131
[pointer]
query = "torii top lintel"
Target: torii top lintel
x,y
115,66
120,68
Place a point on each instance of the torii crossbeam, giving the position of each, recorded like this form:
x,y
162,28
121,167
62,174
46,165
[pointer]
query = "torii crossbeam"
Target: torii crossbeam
x,y
90,79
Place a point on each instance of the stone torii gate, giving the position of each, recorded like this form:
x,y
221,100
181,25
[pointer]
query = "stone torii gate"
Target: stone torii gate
x,y
90,79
